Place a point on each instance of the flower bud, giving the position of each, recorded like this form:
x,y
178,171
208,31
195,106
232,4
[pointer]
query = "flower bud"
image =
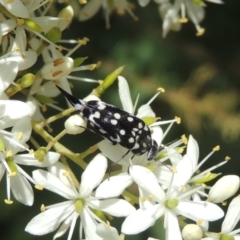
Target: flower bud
x,y
27,80
32,25
54,34
2,146
75,124
224,188
91,97
58,68
192,232
67,13
40,154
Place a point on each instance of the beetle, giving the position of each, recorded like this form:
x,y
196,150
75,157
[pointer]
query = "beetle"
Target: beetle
x,y
116,125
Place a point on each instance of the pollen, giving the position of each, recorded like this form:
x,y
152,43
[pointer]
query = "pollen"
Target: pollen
x,y
178,120
207,175
39,187
83,41
150,197
19,136
161,90
59,48
57,73
227,158
12,174
183,20
9,154
199,222
217,148
66,174
8,201
43,208
58,61
224,203
20,21
108,224
183,188
92,67
184,139
200,32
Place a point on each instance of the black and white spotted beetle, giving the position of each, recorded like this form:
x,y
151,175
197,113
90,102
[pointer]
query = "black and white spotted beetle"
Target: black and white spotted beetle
x,y
115,125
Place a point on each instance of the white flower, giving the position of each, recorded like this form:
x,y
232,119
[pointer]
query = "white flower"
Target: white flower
x,y
11,111
224,188
178,12
106,232
192,232
231,219
170,18
143,3
171,204
186,166
17,114
93,6
78,203
8,72
116,152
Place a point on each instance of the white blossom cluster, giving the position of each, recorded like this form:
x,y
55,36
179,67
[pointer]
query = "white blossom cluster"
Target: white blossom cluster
x,y
174,13
169,188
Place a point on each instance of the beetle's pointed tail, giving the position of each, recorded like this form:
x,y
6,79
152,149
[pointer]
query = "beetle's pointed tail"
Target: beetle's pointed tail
x,y
73,100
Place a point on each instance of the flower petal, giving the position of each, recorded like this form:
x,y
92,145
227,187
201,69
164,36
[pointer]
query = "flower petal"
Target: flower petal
x,y
124,94
232,216
200,210
49,220
114,152
184,171
22,189
8,73
114,186
89,225
21,131
193,151
89,9
30,160
148,181
107,232
172,226
16,7
115,207
52,183
224,188
13,110
142,219
93,175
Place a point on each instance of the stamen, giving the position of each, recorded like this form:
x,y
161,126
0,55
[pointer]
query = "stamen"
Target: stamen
x,y
8,201
42,208
217,148
39,187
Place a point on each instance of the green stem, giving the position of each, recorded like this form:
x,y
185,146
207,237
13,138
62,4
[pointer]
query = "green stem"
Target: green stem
x,y
58,116
75,157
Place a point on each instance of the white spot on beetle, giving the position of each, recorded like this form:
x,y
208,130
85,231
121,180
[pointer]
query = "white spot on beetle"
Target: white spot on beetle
x,y
117,115
122,132
97,114
114,122
131,140
130,119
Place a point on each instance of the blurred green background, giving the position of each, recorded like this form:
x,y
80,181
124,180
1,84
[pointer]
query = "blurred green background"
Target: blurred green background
x,y
201,76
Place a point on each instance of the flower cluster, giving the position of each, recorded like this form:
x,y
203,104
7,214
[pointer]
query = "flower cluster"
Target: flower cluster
x,y
173,13
169,187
